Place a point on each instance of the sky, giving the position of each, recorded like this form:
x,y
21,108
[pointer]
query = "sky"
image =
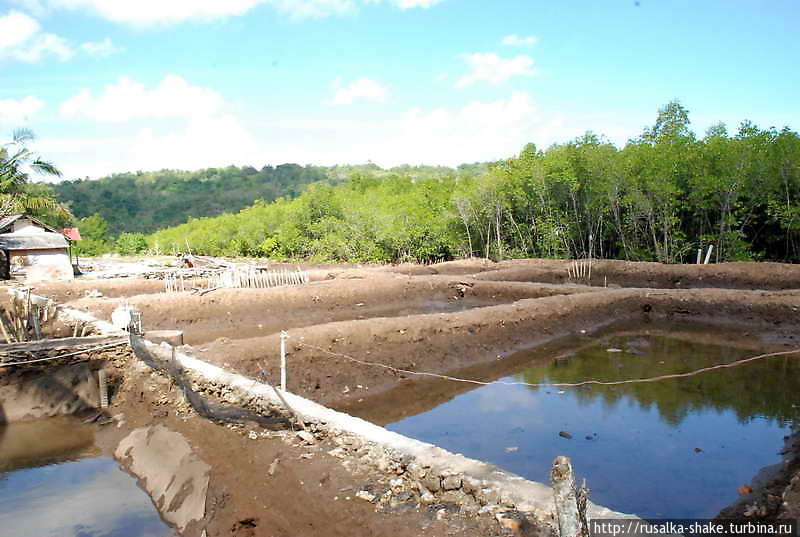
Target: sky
x,y
112,86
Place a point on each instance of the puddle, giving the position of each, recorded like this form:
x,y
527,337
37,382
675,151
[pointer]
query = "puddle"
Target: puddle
x,y
54,483
677,448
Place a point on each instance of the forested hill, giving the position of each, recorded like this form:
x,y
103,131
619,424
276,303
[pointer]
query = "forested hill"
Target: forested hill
x,y
661,197
146,202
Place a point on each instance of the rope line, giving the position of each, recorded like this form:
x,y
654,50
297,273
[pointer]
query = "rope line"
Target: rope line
x,y
100,347
559,384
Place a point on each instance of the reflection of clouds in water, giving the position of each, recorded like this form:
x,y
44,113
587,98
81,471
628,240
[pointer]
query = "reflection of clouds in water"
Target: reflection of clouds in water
x,y
108,504
499,398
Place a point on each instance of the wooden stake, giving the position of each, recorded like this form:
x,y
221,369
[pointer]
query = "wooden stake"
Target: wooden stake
x,y
565,498
284,337
708,254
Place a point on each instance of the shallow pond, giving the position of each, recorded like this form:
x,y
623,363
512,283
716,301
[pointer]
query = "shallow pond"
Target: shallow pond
x,y
676,448
54,483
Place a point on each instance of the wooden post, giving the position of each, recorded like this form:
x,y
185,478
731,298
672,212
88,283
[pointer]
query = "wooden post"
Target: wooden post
x,y
284,337
564,495
708,254
102,381
699,255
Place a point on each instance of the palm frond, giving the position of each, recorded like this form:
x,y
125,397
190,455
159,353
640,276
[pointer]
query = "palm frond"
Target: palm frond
x,y
45,168
22,136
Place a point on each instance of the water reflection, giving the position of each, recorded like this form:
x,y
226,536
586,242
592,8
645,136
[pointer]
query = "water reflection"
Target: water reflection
x,y
676,448
59,487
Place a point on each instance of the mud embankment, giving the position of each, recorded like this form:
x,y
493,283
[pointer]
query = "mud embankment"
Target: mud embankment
x,y
745,276
321,357
248,313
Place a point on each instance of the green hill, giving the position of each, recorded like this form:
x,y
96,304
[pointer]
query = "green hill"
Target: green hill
x,y
146,202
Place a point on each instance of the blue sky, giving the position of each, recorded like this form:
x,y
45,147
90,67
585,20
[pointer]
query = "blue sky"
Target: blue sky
x,y
115,86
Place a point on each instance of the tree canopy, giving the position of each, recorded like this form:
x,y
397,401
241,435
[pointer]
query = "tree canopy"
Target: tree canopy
x,y
662,196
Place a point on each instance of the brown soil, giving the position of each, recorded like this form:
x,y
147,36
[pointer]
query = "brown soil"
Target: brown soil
x,y
653,275
248,313
462,318
305,493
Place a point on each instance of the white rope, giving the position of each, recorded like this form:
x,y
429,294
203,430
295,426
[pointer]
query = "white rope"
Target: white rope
x,y
558,384
100,347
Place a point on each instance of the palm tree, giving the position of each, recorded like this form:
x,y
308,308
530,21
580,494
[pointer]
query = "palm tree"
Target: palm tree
x,y
16,192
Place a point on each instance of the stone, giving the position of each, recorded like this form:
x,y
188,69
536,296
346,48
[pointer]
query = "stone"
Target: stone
x,y
273,467
490,496
338,452
307,437
432,482
416,471
451,482
366,496
470,485
565,434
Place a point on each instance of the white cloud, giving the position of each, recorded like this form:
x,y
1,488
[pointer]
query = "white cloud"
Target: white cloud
x,y
491,68
43,45
18,112
158,11
303,9
149,12
514,40
409,4
100,49
21,38
15,29
193,130
363,89
129,100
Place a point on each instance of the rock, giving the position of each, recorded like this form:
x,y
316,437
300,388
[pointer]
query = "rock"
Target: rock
x,y
744,490
273,466
252,435
397,484
565,434
514,521
490,496
697,450
425,495
470,485
338,452
432,482
488,508
416,471
512,449
364,495
613,350
454,496
306,437
451,482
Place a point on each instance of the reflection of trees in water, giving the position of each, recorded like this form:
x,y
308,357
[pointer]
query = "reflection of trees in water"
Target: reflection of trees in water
x,y
767,388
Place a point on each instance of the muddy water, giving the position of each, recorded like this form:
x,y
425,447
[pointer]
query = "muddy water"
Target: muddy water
x,y
674,448
54,482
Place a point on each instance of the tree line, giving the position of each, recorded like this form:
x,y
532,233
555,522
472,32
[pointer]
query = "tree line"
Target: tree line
x,y
662,196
